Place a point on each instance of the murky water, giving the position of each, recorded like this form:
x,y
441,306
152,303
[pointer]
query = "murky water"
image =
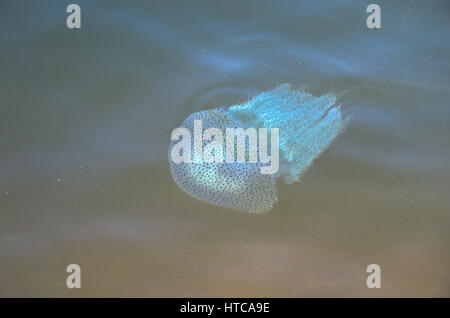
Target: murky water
x,y
85,123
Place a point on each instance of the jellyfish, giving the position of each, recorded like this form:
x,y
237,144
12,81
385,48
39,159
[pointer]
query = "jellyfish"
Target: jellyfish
x,y
307,125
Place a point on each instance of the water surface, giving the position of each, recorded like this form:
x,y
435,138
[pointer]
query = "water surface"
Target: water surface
x,y
85,122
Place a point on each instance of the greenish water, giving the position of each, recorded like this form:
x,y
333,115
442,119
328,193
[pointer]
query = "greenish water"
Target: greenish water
x,y
85,122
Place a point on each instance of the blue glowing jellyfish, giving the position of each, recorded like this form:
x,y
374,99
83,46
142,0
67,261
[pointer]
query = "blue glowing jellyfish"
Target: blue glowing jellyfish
x,y
307,125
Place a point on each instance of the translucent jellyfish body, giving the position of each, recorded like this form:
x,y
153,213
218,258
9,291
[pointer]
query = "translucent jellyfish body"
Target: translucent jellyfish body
x,y
307,125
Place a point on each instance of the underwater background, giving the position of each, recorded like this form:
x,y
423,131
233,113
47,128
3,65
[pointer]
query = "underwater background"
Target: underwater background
x,y
85,123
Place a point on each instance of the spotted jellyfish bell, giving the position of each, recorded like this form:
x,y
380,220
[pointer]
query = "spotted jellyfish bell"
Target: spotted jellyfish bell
x,y
307,126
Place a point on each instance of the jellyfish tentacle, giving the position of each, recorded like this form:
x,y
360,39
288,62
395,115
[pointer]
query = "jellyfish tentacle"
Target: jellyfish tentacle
x,y
307,124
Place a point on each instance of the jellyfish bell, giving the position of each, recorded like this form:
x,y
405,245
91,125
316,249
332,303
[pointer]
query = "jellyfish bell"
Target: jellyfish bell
x,y
236,185
306,127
